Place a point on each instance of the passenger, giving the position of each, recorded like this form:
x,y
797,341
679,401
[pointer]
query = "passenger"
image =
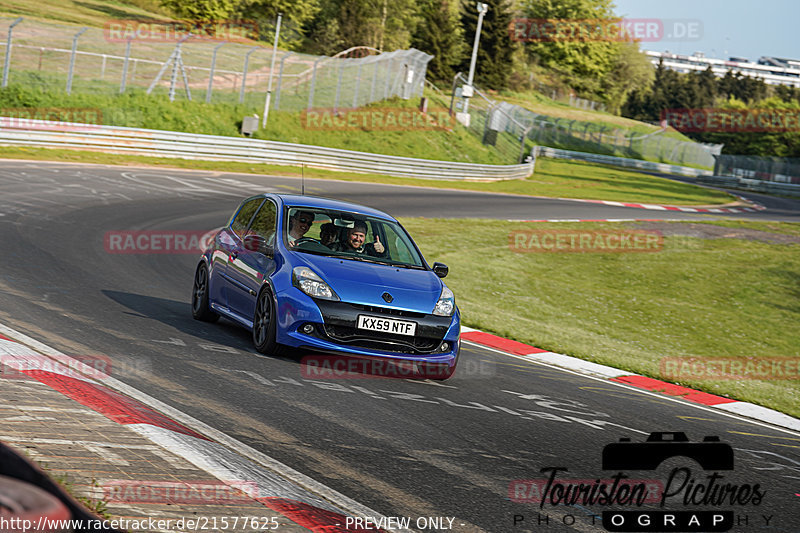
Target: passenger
x,y
328,234
299,224
354,242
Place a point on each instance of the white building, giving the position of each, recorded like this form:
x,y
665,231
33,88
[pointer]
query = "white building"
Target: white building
x,y
773,70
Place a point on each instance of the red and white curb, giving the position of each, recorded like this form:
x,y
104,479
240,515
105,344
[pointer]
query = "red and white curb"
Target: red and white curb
x,y
752,208
299,498
531,353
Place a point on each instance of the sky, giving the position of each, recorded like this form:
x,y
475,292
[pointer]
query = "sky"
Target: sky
x,y
721,28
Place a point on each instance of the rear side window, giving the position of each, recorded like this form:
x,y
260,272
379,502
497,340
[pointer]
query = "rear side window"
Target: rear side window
x,y
246,212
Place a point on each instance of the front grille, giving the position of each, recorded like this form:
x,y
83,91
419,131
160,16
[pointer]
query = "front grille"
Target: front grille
x,y
387,311
380,341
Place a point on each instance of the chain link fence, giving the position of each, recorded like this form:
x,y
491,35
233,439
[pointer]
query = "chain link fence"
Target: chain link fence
x,y
511,127
773,169
99,61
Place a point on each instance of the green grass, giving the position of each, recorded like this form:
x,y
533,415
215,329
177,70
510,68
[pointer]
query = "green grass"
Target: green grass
x,y
139,110
726,297
84,12
35,67
553,178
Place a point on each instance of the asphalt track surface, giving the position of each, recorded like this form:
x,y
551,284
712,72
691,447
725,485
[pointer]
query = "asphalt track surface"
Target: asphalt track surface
x,y
404,448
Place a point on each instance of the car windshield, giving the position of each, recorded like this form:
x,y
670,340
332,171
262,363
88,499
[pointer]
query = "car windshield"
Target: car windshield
x,y
349,236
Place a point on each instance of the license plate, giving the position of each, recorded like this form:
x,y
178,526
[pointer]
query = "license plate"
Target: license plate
x,y
386,325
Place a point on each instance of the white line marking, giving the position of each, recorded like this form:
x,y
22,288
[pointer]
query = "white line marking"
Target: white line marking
x,y
304,482
26,418
639,390
107,454
580,365
762,413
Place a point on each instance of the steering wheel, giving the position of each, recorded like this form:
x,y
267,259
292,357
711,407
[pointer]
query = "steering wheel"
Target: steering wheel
x,y
303,240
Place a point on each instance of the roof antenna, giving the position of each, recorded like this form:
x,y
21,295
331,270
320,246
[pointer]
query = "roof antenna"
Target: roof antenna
x,y
303,179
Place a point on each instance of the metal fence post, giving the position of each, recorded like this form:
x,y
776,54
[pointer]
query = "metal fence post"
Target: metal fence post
x,y
340,66
124,80
244,74
72,58
358,83
271,72
313,82
388,78
213,66
522,143
374,81
280,80
7,63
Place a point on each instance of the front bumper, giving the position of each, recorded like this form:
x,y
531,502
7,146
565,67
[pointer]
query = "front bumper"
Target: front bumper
x,y
334,330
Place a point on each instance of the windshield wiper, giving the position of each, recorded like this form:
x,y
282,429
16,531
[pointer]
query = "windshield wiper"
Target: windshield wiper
x,y
362,258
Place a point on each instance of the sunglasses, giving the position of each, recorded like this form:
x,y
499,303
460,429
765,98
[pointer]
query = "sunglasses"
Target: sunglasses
x,y
305,220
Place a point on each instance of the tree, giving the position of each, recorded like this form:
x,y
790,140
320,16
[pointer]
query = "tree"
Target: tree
x,y
495,50
296,16
744,88
201,11
787,93
630,70
348,23
583,58
440,35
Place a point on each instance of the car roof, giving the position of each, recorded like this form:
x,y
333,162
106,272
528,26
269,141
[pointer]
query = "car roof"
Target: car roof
x,y
328,203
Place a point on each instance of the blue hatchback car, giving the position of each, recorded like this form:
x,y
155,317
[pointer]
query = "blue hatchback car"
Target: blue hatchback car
x,y
332,277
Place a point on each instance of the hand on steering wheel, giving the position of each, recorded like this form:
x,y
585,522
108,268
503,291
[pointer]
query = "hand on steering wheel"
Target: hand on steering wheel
x,y
303,240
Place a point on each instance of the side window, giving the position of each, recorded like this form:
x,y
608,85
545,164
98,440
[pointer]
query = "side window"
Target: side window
x,y
264,223
246,212
398,245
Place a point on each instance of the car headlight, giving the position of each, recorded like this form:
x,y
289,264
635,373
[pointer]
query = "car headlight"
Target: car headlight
x,y
446,304
310,283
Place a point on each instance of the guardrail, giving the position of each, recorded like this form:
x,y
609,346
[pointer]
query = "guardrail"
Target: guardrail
x,y
557,153
751,185
113,139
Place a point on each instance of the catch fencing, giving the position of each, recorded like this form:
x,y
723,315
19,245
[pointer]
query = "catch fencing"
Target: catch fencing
x,y
509,126
772,169
624,162
117,60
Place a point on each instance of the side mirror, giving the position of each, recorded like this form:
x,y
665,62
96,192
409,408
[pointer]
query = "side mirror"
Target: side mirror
x,y
256,243
440,269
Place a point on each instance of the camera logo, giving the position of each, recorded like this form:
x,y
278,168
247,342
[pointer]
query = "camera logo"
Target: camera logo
x,y
711,454
677,499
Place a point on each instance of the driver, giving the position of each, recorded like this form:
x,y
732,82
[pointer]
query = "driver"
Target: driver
x,y
354,242
299,224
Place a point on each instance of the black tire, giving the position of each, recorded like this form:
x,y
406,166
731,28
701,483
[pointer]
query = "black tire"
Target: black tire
x,y
200,308
264,324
